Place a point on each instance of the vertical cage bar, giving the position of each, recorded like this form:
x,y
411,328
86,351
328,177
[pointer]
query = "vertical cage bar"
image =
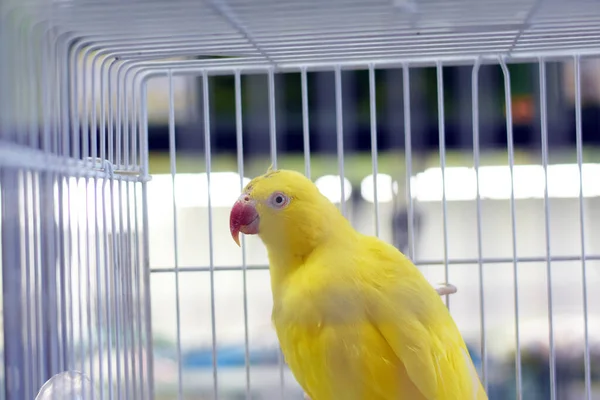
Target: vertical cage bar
x,y
121,285
103,115
240,164
442,140
273,141
173,165
134,304
339,124
145,266
94,116
305,121
207,155
125,122
272,118
408,159
12,282
107,269
125,243
29,369
511,164
85,124
115,265
579,147
99,275
60,234
139,296
544,133
80,271
476,163
374,150
69,253
111,122
39,328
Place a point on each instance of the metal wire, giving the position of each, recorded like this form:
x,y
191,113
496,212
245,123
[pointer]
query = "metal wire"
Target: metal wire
x,y
476,162
579,149
374,157
408,160
511,163
240,165
305,122
339,125
442,138
173,162
544,132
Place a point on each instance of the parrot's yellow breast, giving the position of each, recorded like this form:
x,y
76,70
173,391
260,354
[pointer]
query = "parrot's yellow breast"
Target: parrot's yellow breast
x,y
330,345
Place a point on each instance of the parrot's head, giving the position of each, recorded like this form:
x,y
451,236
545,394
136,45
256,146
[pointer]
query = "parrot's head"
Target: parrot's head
x,y
285,209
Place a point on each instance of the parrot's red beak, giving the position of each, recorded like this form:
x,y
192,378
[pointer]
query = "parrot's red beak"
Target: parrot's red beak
x,y
243,218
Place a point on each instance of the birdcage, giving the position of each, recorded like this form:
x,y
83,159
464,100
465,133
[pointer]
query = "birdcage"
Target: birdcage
x,y
461,131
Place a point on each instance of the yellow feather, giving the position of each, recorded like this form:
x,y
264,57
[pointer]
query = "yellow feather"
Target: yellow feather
x,y
354,317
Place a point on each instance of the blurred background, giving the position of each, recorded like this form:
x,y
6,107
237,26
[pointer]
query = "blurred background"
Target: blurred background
x,y
433,235
493,253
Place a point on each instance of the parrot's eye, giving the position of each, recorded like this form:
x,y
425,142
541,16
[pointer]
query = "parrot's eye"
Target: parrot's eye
x,y
278,200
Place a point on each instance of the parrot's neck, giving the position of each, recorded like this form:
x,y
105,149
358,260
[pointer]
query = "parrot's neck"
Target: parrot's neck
x,y
289,252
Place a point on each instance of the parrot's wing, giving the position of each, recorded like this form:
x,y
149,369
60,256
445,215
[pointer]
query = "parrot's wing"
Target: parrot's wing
x,y
418,327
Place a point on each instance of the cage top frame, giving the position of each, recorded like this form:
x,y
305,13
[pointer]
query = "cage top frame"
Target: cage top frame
x,y
313,33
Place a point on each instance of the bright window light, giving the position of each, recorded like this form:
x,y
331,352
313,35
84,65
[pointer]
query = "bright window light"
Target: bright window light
x,y
386,188
191,190
495,182
331,187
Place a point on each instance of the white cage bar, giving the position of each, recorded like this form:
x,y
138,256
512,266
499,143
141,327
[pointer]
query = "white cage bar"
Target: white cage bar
x,y
77,197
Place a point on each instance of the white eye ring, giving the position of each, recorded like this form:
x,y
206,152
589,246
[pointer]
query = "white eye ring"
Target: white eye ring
x,y
278,200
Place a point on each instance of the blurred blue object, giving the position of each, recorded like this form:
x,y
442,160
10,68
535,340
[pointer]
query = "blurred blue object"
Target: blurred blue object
x,y
229,356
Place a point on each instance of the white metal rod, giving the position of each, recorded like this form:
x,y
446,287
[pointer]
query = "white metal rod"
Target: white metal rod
x,y
144,271
476,163
408,161
272,118
544,133
134,128
138,273
69,252
579,147
126,131
339,123
305,121
81,269
458,261
108,267
85,121
273,144
132,304
60,233
123,290
90,277
442,140
374,150
37,268
207,155
240,164
110,128
99,274
511,163
123,284
114,263
94,116
26,266
173,165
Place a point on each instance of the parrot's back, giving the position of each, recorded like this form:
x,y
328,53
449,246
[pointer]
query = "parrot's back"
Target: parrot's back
x,y
361,322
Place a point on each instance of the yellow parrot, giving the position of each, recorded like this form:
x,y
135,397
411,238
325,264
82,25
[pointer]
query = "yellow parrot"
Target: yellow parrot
x,y
354,317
